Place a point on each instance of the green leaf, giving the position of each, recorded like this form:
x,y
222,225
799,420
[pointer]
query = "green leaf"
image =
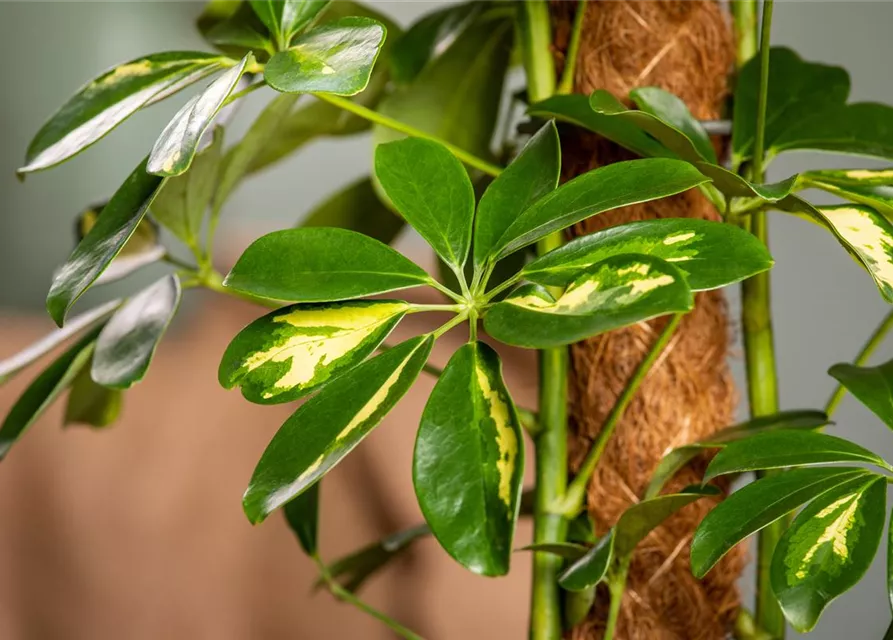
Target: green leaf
x,y
181,204
178,143
286,354
590,569
890,566
127,343
676,459
284,18
431,189
758,505
92,404
302,515
469,461
102,104
530,176
321,264
606,188
118,221
709,254
575,109
44,390
797,89
359,209
872,386
732,185
330,424
853,177
874,191
787,448
336,57
234,28
643,517
616,292
863,129
566,550
682,135
828,549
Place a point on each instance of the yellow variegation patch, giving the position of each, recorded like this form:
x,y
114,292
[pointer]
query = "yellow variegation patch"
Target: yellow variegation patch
x,y
869,174
506,440
834,533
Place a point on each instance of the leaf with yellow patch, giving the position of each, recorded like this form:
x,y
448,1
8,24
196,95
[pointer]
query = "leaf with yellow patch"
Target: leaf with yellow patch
x,y
330,424
870,188
469,461
286,354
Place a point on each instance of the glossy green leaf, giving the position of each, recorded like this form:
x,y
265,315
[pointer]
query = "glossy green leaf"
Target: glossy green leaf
x,y
469,461
709,254
853,177
358,208
330,424
284,18
575,109
127,343
733,185
872,386
102,104
179,142
118,221
677,458
605,188
44,390
616,292
92,404
336,57
643,517
182,203
431,189
286,354
530,176
862,129
302,515
321,264
787,448
590,569
674,112
871,192
827,549
758,505
234,28
566,550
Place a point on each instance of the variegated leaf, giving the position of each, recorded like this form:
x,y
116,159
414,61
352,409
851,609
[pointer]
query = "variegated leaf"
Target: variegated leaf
x,y
616,292
874,189
854,177
286,354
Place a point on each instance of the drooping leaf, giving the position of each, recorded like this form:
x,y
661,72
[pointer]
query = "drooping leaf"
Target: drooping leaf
x,y
330,424
787,448
827,549
359,209
469,461
44,390
102,104
284,18
853,177
641,518
874,191
529,177
616,292
286,354
336,57
179,142
90,403
758,505
872,386
321,264
566,550
862,129
673,111
118,221
590,569
302,515
605,188
431,189
733,185
709,254
128,341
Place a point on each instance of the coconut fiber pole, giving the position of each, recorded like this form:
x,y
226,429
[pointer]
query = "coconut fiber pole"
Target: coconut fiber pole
x,y
687,48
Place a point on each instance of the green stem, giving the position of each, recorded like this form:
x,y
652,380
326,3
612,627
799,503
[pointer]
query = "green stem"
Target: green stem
x,y
566,85
873,343
378,118
576,493
535,31
744,14
616,587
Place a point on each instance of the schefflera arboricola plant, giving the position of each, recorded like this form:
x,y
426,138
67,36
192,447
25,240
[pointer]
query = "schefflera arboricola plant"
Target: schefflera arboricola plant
x,y
469,452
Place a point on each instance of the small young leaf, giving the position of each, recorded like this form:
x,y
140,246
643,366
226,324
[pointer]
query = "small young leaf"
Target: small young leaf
x,y
431,189
128,341
336,57
234,28
330,424
591,568
286,354
118,221
828,549
92,404
616,185
469,462
758,505
302,515
872,386
284,18
105,102
616,292
529,177
709,254
321,264
358,208
787,448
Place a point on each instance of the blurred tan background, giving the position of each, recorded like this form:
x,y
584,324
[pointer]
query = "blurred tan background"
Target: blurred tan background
x,y
137,532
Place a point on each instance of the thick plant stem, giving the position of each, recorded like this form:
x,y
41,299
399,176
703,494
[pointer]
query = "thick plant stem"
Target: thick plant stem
x,y
744,14
861,360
